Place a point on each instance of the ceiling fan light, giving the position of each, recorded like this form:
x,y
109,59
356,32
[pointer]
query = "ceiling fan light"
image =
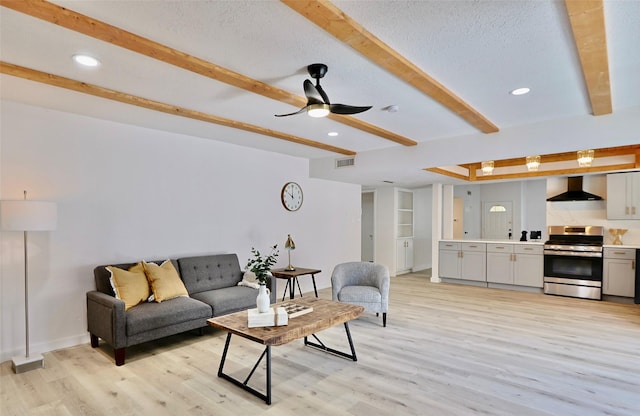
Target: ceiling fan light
x,y
533,163
318,110
585,157
487,167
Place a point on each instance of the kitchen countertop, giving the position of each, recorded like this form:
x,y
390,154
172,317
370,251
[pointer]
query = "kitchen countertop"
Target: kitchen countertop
x,y
537,242
636,246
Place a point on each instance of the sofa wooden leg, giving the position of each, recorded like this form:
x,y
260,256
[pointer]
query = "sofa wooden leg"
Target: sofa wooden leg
x,y
384,319
95,341
119,353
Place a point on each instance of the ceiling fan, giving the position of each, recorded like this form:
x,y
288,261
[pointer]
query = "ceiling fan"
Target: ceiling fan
x,y
318,104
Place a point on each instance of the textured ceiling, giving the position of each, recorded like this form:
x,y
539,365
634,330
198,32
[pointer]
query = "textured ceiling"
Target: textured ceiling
x,y
480,50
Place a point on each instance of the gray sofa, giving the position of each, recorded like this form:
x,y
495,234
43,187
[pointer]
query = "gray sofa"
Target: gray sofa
x,y
212,283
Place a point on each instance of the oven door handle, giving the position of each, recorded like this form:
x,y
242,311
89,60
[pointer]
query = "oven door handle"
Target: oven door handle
x,y
573,253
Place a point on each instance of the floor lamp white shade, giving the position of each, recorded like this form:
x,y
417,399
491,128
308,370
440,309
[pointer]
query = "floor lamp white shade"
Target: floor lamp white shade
x,y
27,216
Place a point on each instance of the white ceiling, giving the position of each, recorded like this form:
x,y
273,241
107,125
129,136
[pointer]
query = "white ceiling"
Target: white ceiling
x,y
480,50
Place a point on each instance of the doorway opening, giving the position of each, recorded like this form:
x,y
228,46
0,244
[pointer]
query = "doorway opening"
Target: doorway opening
x,y
367,223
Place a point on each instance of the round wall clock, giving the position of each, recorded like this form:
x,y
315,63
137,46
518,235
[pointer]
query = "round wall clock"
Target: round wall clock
x,y
291,196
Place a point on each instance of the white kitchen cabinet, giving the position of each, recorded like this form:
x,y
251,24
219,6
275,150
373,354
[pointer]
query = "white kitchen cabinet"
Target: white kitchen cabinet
x,y
619,270
515,264
474,262
404,255
500,263
449,260
528,265
466,261
623,196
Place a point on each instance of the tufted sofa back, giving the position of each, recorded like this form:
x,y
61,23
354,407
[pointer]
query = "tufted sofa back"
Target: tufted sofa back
x,y
203,273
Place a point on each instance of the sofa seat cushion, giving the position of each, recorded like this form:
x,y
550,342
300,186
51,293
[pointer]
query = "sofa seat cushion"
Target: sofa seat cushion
x,y
228,299
152,315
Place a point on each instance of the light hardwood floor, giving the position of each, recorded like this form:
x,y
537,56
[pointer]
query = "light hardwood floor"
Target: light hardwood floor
x,y
447,350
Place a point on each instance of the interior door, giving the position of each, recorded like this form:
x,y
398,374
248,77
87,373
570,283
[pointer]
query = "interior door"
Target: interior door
x,y
367,227
497,220
458,218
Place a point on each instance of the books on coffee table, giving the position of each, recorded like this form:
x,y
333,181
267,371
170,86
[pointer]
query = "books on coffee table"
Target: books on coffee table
x,y
274,317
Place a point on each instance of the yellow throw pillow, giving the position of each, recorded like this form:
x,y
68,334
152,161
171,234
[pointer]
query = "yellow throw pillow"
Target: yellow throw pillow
x,y
130,286
165,281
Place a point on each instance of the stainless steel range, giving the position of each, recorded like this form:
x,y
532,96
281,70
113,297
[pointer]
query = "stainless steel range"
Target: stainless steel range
x,y
573,261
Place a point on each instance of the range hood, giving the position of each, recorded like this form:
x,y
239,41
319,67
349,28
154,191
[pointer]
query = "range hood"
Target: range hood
x,y
575,192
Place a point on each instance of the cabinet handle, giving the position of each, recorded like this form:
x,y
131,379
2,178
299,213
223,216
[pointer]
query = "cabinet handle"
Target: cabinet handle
x,y
499,248
461,254
528,248
622,253
473,246
626,210
514,257
634,210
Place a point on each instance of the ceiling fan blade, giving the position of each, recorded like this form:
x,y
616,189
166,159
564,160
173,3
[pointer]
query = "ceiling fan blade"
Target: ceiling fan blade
x,y
302,110
347,109
324,95
313,96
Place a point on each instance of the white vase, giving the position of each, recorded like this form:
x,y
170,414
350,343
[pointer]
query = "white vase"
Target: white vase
x,y
263,301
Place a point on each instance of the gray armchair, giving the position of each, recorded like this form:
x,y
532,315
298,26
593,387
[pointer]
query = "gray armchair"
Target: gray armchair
x,y
364,284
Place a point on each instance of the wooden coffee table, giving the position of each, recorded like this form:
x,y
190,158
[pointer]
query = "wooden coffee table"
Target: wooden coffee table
x,y
325,314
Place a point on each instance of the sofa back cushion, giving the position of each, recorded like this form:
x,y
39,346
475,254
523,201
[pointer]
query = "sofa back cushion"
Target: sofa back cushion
x,y
101,275
203,273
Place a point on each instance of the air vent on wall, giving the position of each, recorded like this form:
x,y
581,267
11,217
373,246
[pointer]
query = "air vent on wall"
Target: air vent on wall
x,y
343,163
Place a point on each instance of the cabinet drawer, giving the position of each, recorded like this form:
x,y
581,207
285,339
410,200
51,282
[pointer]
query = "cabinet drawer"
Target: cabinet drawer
x,y
449,245
499,248
619,253
474,247
529,249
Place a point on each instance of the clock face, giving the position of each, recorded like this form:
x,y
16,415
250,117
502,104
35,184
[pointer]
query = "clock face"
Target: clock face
x,y
291,196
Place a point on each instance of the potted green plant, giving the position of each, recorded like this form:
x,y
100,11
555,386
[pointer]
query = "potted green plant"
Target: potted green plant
x,y
261,265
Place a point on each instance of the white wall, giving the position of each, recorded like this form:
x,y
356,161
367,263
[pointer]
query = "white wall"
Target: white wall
x,y
127,193
588,212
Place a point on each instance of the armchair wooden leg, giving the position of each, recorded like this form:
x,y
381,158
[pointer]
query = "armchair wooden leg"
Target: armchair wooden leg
x,y
119,353
384,319
95,341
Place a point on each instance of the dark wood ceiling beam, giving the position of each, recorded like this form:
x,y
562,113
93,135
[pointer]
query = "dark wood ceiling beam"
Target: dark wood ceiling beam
x,y
103,31
330,18
588,26
70,84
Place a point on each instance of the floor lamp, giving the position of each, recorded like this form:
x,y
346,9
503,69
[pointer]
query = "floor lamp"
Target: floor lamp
x,y
27,216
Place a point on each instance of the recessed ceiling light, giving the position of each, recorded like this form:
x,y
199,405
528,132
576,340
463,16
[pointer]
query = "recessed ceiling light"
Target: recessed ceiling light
x,y
332,133
520,91
86,60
